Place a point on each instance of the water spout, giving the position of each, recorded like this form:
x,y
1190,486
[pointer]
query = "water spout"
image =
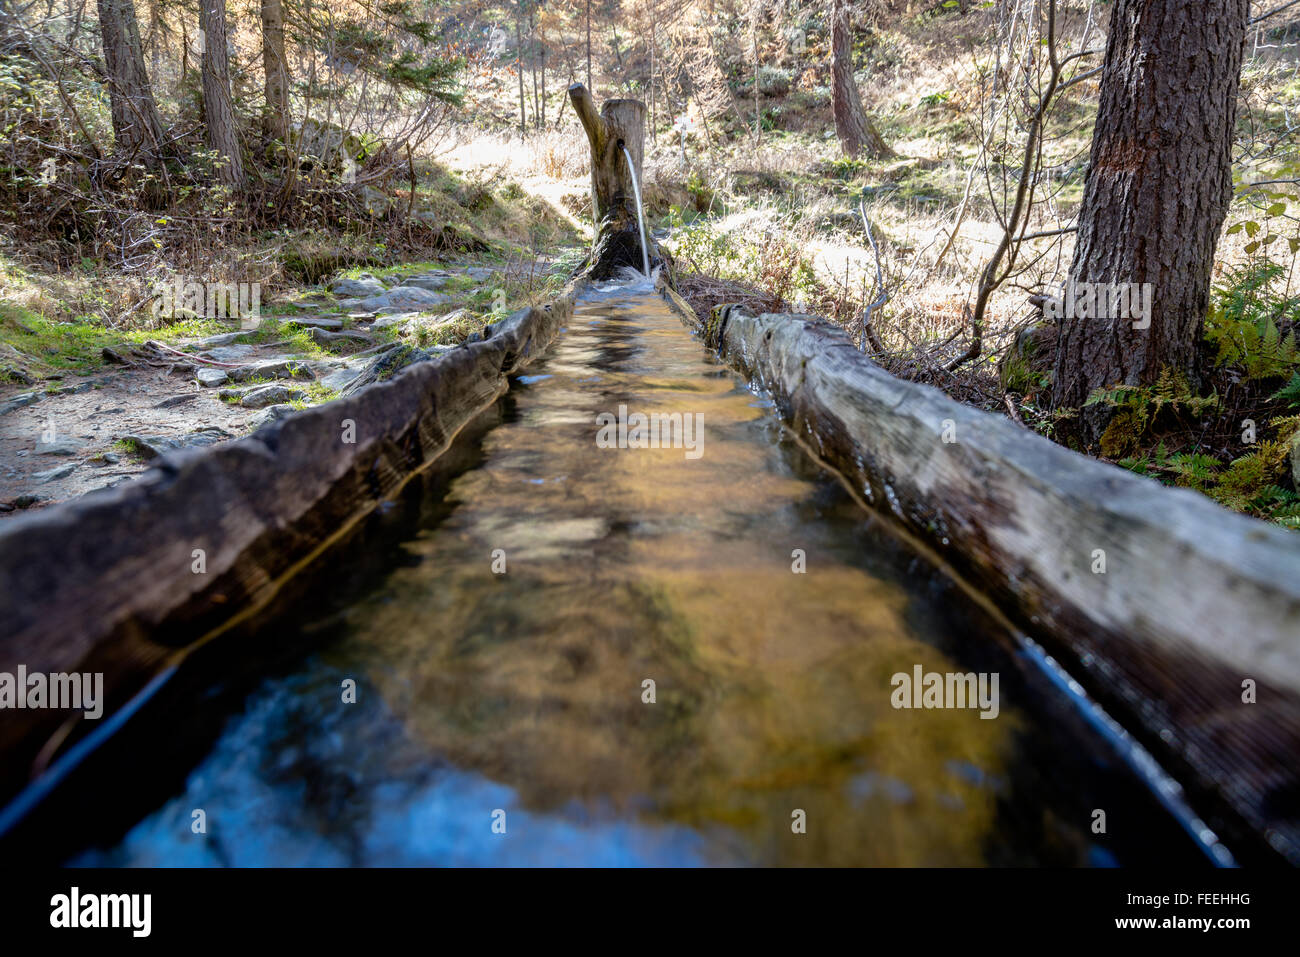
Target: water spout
x,y
640,217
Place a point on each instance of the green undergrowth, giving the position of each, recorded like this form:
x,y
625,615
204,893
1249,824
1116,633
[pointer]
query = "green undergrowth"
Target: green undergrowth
x,y
1237,444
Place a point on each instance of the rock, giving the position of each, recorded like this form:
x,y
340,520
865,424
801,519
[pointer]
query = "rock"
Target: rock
x,y
393,319
213,342
147,446
19,401
202,437
323,337
6,507
68,446
176,400
340,379
228,353
407,298
479,273
210,377
1295,459
181,369
263,395
431,281
362,288
111,458
272,414
26,501
388,363
272,369
49,475
315,322
377,204
152,446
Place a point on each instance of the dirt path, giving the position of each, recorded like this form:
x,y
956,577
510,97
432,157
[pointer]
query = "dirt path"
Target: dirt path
x,y
66,438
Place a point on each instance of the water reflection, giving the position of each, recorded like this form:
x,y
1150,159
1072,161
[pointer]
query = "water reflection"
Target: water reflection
x,y
524,691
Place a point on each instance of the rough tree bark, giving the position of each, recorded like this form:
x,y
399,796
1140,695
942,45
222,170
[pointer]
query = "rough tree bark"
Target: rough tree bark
x,y
856,132
617,235
218,111
275,118
1158,186
136,123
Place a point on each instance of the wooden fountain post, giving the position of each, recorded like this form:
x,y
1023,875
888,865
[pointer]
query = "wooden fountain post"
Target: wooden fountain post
x,y
616,240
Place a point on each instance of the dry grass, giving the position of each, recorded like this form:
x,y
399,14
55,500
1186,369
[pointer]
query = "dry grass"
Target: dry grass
x,y
704,293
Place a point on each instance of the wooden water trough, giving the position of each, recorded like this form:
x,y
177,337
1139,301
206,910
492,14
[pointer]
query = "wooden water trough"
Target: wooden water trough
x,y
1180,617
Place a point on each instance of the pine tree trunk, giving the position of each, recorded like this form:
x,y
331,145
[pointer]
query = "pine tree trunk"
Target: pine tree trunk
x,y
653,135
1157,190
136,123
519,60
758,116
218,111
617,234
856,132
275,119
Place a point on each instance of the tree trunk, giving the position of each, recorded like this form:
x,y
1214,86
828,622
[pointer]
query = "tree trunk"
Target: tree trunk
x,y
616,238
1157,190
653,136
856,132
519,61
532,60
275,119
758,116
136,123
218,111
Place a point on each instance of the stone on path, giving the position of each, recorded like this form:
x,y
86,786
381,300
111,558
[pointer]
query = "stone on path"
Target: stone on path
x,y
49,475
315,322
361,288
272,369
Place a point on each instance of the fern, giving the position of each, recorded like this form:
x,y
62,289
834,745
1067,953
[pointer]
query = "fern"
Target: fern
x,y
1242,324
1139,407
1289,393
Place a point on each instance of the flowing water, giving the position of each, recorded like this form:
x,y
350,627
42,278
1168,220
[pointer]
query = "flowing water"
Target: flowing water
x,y
640,214
515,698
